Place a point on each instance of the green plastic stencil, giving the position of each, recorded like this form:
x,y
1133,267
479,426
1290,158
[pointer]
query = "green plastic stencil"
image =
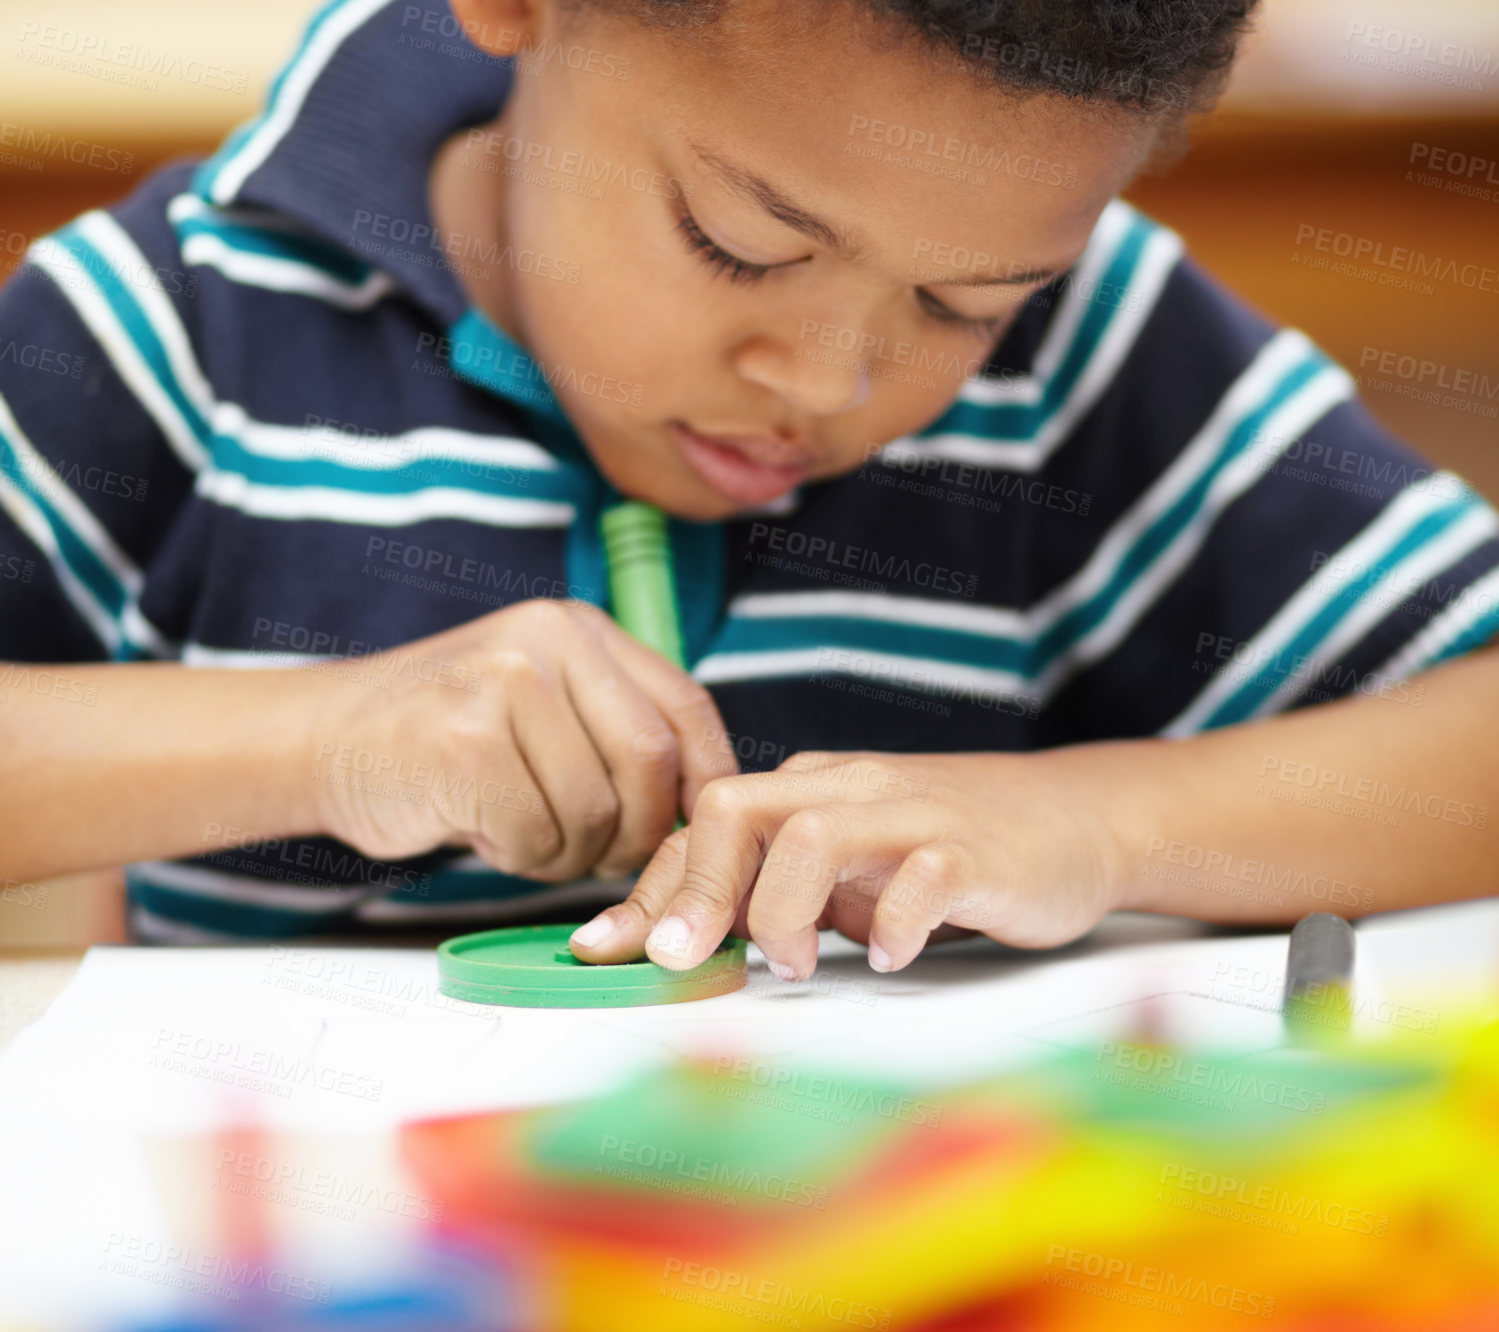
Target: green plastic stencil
x,y
533,967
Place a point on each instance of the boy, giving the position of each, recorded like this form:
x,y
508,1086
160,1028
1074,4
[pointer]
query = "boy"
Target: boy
x,y
1039,572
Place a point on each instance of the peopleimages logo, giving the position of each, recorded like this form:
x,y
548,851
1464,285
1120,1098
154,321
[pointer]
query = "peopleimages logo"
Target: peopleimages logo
x,y
1397,260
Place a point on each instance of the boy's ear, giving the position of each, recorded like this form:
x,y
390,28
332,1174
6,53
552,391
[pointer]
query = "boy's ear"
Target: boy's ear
x,y
500,27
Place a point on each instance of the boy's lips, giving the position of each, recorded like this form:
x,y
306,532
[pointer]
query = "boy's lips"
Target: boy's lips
x,y
748,469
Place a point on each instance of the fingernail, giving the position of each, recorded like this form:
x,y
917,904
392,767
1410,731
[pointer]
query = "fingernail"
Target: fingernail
x,y
879,959
669,937
780,970
594,933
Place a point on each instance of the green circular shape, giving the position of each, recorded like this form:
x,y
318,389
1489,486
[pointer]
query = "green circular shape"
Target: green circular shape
x,y
533,967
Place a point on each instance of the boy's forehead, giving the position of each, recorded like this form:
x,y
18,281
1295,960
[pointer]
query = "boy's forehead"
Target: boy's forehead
x,y
880,136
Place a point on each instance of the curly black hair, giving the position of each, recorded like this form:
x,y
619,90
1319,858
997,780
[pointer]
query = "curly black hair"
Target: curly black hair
x,y
1153,56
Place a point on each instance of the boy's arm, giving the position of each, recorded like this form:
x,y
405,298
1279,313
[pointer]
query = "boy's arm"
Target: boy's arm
x,y
544,738
100,765
1365,804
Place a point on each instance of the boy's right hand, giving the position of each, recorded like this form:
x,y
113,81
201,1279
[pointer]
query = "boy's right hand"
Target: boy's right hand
x,y
543,736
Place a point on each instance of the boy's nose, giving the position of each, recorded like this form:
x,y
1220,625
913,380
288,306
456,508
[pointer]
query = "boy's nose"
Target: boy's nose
x,y
819,382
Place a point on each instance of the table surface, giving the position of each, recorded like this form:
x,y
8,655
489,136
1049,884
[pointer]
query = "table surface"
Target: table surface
x,y
30,980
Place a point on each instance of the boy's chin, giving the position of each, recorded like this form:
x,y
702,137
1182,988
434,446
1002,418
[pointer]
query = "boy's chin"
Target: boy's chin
x,y
697,508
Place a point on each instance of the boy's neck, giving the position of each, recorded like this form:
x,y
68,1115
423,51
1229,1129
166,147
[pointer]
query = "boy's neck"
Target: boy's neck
x,y
471,204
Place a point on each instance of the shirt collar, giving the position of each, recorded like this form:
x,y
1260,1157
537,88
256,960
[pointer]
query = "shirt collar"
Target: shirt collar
x,y
351,126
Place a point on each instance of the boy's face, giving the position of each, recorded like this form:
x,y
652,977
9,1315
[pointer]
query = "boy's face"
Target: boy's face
x,y
792,238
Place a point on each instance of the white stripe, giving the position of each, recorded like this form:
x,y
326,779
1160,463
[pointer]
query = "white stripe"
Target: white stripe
x,y
342,506
585,892
991,621
266,892
1416,568
141,632
776,508
111,240
74,513
31,520
279,273
1407,509
1473,603
275,441
1276,359
1108,234
377,452
235,659
472,863
879,668
1028,453
100,319
80,521
295,86
148,927
1297,414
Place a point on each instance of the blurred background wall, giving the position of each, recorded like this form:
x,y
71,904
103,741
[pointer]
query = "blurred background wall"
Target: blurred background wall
x,y
1350,128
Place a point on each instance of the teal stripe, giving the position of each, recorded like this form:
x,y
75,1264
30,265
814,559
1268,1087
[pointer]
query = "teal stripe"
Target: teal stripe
x,y
1076,624
587,566
208,173
1471,639
243,918
800,634
273,244
495,478
484,354
128,311
230,455
442,887
1241,705
1029,658
698,563
82,561
448,885
1021,421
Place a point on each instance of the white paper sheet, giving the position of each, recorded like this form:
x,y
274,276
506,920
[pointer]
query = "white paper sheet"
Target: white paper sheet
x,y
146,1043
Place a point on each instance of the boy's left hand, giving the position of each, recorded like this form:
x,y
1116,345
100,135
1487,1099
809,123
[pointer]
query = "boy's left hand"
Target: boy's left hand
x,y
885,848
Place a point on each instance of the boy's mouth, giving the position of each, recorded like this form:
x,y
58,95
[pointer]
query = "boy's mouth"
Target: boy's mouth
x,y
748,469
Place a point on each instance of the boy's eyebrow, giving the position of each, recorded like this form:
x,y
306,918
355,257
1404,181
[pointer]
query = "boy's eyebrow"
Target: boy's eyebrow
x,y
843,243
1013,280
762,192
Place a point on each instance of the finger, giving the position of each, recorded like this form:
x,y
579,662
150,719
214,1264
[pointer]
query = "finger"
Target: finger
x,y
570,772
704,749
734,821
618,934
850,909
639,748
814,852
921,895
516,831
732,827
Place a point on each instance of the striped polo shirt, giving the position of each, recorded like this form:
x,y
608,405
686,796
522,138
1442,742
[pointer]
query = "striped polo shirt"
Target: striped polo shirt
x,y
270,429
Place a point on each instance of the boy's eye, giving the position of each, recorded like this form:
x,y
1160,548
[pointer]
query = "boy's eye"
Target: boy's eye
x,y
985,325
743,270
715,256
